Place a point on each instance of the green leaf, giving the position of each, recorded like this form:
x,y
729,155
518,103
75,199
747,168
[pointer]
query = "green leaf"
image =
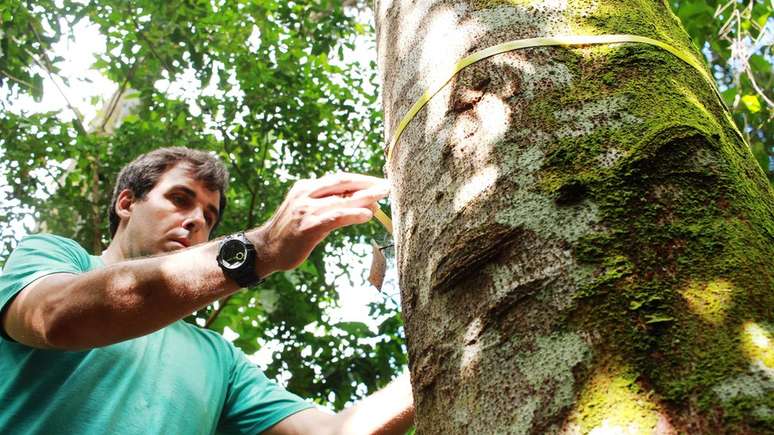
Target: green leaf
x,y
760,64
355,328
729,95
658,318
762,19
752,103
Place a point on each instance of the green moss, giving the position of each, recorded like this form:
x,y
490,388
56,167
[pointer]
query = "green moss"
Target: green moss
x,y
710,301
648,183
682,238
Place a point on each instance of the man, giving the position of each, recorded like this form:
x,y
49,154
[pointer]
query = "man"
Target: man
x,y
96,344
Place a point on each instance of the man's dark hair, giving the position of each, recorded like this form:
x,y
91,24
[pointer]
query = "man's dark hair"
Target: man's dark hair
x,y
141,175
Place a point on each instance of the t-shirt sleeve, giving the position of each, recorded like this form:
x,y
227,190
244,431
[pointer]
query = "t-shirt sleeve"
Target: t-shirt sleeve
x,y
253,402
37,256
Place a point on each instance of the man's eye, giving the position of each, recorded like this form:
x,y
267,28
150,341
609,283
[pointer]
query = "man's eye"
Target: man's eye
x,y
178,199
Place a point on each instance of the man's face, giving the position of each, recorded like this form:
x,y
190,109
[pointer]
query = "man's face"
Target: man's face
x,y
178,212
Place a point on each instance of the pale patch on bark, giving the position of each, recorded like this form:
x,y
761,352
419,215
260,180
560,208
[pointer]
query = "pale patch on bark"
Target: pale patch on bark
x,y
480,182
493,114
539,214
606,112
530,160
553,361
412,22
758,336
758,382
609,157
612,402
484,130
548,19
535,76
763,412
758,345
442,47
471,347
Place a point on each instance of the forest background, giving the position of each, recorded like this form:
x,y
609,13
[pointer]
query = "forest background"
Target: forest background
x,y
280,91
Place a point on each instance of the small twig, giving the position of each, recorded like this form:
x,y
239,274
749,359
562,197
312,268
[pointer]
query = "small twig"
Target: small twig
x,y
226,141
720,8
215,313
250,219
251,215
95,209
758,90
148,43
48,67
53,177
18,80
117,97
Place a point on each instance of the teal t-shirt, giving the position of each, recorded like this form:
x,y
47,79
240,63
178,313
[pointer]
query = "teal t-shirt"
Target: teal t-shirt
x,y
179,380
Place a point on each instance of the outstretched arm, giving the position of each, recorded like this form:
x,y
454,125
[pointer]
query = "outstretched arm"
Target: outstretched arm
x,y
388,411
136,297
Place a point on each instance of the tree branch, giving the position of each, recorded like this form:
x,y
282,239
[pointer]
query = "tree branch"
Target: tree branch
x,y
251,212
226,141
758,90
96,211
119,94
210,320
250,217
18,80
148,43
48,67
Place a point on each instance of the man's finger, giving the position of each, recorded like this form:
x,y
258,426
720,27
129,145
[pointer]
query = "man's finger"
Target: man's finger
x,y
336,184
360,198
343,217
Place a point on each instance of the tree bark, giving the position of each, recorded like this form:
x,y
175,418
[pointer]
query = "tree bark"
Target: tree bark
x,y
585,243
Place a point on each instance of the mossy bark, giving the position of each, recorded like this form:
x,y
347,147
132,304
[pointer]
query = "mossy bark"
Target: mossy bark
x,y
584,240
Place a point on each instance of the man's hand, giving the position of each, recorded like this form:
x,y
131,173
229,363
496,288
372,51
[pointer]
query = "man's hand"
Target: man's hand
x,y
311,210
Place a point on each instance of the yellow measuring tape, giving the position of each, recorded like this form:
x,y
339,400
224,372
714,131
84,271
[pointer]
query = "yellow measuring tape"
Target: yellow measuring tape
x,y
537,42
529,43
383,219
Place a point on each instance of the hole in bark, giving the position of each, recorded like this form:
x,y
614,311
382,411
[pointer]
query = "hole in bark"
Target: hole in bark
x,y
570,194
481,85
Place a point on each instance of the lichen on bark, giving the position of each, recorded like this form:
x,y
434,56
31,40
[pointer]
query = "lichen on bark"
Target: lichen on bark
x,y
569,218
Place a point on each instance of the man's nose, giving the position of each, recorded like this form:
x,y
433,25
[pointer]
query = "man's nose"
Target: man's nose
x,y
195,220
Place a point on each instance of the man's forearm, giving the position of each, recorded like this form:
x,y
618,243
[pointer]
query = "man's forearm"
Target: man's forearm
x,y
118,302
133,298
388,411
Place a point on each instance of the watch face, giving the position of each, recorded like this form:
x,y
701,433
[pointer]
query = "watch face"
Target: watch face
x,y
233,254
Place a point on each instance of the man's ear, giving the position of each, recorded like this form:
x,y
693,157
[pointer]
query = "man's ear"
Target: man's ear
x,y
124,204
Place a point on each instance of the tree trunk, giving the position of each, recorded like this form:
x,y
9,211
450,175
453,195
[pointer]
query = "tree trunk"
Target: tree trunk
x,y
585,243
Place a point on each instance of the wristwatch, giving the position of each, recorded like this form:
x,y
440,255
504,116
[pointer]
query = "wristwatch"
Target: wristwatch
x,y
236,257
